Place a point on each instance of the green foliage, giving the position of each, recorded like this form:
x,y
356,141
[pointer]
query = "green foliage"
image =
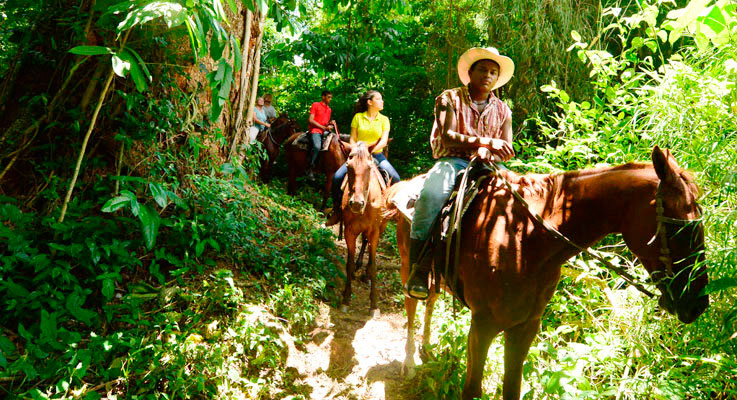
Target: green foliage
x,y
296,305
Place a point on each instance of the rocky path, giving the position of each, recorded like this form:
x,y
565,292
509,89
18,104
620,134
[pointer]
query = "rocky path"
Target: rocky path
x,y
353,355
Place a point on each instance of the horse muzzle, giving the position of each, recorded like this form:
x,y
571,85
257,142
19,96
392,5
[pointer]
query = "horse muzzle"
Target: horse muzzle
x,y
687,310
357,206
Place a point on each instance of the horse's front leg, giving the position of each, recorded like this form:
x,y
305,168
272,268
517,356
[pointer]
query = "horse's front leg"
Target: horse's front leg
x,y
292,183
479,338
350,266
373,244
517,341
326,192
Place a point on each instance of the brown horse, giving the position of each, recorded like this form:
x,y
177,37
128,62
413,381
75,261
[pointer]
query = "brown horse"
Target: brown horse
x,y
327,162
363,214
510,264
271,139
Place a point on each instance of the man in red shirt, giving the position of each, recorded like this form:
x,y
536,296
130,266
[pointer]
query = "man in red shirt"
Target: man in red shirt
x,y
320,124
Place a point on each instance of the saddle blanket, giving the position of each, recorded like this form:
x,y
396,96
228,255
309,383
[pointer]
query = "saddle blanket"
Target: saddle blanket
x,y
304,141
405,198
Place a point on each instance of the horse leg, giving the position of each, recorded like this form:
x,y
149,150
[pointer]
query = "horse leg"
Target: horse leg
x,y
359,261
517,341
292,184
479,338
373,243
425,352
350,242
408,366
326,193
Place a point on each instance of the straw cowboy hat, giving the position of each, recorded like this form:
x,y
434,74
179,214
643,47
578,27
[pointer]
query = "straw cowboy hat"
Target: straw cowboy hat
x,y
506,65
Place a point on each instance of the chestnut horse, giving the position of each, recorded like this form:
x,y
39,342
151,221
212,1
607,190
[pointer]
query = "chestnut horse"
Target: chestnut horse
x,y
271,139
327,162
363,214
509,263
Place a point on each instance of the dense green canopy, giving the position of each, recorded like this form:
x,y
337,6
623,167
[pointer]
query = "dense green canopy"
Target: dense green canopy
x,y
137,242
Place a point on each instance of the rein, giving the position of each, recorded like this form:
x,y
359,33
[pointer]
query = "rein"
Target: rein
x,y
619,270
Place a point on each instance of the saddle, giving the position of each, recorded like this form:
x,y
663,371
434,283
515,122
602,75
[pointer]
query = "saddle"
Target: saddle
x,y
304,141
443,244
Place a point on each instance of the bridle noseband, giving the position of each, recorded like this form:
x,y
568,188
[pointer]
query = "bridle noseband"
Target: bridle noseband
x,y
661,233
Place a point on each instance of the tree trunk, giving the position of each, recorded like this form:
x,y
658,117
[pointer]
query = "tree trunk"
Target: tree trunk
x,y
238,127
254,85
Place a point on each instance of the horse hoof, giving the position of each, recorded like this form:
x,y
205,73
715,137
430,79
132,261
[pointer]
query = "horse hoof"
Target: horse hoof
x,y
344,308
375,313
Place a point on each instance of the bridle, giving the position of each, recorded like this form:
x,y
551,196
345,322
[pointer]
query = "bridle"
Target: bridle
x,y
373,170
661,233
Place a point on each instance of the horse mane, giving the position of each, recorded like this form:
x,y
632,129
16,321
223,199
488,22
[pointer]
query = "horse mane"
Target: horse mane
x,y
360,150
539,184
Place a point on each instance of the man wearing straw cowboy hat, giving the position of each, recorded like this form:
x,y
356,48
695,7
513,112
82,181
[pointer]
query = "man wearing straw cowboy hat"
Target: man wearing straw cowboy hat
x,y
469,121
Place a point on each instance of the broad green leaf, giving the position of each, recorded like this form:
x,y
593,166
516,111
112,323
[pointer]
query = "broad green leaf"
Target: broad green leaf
x,y
115,204
150,221
120,65
48,326
74,304
177,200
131,64
159,194
173,13
135,206
719,285
62,386
141,64
3,360
108,288
91,50
216,47
236,52
37,394
232,6
92,396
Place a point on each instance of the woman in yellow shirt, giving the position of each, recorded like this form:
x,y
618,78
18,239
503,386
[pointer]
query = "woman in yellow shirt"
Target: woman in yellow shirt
x,y
368,126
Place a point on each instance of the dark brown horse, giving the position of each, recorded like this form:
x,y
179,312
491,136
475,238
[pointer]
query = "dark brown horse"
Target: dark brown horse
x,y
363,214
510,264
271,139
327,162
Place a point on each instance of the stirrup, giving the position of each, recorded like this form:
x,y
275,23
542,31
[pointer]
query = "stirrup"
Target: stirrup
x,y
418,292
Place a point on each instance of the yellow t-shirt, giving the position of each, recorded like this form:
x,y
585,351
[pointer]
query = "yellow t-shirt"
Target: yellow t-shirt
x,y
369,131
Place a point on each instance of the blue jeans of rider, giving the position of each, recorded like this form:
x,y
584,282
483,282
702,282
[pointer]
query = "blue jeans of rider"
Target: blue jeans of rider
x,y
435,193
384,165
316,139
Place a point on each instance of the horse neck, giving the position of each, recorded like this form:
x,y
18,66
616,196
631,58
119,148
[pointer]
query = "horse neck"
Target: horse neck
x,y
588,205
282,132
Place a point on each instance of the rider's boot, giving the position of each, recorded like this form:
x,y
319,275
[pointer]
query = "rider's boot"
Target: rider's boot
x,y
417,287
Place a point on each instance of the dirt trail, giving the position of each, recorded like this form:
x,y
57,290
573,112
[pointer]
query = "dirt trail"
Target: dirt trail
x,y
352,355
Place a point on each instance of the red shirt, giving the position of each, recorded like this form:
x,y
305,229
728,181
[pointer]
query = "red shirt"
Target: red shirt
x,y
321,114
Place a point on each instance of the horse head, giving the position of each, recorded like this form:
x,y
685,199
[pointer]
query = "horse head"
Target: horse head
x,y
359,164
672,250
283,127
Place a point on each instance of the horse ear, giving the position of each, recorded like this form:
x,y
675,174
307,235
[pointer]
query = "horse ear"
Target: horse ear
x,y
663,167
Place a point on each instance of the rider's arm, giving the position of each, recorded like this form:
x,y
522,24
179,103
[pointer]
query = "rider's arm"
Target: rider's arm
x,y
354,135
384,138
258,121
313,122
446,119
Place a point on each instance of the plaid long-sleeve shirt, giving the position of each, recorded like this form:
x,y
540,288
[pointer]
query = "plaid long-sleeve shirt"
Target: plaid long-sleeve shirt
x,y
469,123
